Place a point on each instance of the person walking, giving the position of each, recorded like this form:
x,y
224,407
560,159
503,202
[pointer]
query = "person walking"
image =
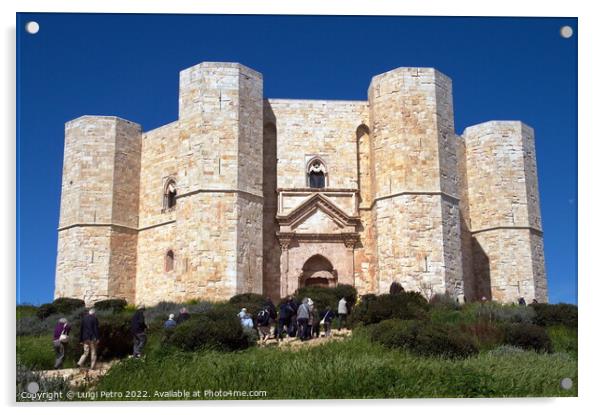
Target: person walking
x,y
342,313
284,318
302,319
60,340
315,317
311,320
263,324
139,331
170,323
183,315
89,336
269,305
327,321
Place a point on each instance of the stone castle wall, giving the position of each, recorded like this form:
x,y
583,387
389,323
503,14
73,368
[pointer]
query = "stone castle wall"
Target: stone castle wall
x,y
415,181
504,211
406,199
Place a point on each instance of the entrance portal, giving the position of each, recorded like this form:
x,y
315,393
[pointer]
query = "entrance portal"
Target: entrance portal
x,y
318,271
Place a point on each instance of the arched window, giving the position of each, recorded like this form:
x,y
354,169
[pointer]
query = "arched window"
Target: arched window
x,y
169,261
169,195
316,174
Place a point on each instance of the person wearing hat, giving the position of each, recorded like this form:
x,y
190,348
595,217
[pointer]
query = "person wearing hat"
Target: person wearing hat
x,y
139,331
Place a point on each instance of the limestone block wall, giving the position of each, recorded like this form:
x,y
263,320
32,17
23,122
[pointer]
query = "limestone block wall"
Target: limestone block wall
x,y
82,266
504,211
214,152
417,217
101,175
324,128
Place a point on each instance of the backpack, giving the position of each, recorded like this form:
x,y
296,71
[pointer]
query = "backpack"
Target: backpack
x,y
263,317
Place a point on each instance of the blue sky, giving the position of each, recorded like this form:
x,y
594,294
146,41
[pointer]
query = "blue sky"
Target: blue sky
x,y
127,65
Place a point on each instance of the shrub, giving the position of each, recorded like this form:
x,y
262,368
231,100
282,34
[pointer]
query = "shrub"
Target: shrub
x,y
505,350
445,341
117,305
527,336
423,338
46,310
67,305
321,296
554,314
347,291
116,338
405,306
564,339
218,328
395,333
26,310
503,313
251,301
444,301
396,288
487,335
50,385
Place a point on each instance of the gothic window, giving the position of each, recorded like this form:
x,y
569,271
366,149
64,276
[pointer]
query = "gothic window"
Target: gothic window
x,y
169,261
316,174
169,195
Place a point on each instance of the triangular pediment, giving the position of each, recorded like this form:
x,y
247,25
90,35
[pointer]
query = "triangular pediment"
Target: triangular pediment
x,y
318,214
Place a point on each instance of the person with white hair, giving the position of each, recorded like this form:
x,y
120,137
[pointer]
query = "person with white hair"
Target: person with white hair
x,y
89,336
171,322
60,340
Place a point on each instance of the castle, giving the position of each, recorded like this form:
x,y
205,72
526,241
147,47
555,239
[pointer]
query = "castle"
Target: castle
x,y
247,194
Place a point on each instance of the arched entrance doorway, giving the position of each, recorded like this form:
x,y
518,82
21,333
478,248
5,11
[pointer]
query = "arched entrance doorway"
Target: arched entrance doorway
x,y
318,271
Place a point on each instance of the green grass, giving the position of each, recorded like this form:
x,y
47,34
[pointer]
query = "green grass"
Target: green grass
x,y
352,368
26,310
36,353
564,339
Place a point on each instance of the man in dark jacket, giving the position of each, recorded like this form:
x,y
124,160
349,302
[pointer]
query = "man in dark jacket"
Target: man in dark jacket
x,y
138,330
284,319
89,337
269,305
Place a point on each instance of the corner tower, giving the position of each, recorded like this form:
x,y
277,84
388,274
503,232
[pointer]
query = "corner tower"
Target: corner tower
x,y
415,181
505,218
99,209
220,180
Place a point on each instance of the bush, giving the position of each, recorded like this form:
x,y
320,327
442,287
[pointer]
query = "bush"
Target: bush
x,y
347,291
321,296
486,335
46,310
396,288
117,305
404,306
444,301
251,301
218,328
116,339
68,305
554,314
423,338
503,313
26,310
445,341
564,339
50,386
527,336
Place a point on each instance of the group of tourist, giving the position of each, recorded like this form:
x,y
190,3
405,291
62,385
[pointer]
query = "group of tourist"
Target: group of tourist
x,y
293,319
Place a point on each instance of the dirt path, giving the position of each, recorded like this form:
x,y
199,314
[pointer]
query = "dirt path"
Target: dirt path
x,y
79,377
295,343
